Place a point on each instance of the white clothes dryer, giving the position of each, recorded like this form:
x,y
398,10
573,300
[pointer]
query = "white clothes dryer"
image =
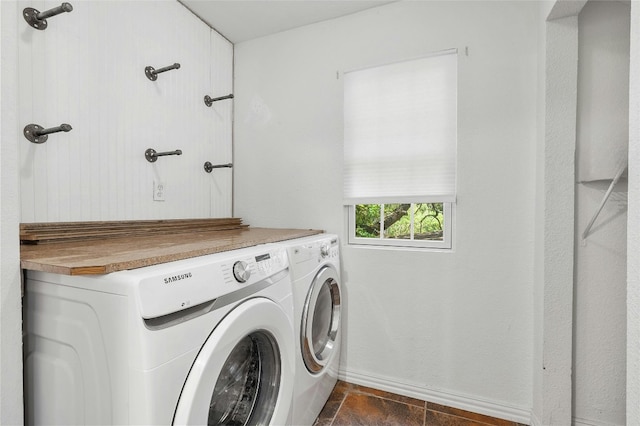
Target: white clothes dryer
x,y
317,304
207,340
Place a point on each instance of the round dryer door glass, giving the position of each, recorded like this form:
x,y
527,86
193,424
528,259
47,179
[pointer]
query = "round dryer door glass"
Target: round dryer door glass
x,y
321,320
247,388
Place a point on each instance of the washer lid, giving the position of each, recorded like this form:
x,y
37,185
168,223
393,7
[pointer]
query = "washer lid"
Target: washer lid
x,y
244,372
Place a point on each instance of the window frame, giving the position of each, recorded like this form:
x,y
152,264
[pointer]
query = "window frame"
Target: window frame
x,y
445,244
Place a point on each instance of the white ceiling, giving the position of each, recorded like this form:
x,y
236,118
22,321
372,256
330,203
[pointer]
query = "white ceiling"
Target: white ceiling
x,y
241,20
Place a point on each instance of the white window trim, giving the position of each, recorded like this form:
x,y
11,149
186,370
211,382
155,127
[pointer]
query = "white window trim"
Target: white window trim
x,y
445,244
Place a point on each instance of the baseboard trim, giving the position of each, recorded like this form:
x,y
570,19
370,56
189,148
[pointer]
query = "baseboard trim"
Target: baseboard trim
x,y
534,419
577,421
488,408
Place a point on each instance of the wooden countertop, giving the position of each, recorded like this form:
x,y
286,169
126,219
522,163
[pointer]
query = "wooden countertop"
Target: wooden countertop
x,y
102,256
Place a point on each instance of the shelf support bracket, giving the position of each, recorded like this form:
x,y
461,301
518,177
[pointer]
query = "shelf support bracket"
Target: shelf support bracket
x,y
615,180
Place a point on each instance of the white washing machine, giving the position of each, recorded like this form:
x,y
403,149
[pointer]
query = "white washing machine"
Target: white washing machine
x,y
207,340
317,303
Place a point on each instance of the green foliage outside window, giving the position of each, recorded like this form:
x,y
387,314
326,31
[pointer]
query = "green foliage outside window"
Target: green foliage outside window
x,y
428,220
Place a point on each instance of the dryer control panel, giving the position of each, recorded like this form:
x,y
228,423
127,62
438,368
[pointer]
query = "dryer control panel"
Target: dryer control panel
x,y
315,250
329,249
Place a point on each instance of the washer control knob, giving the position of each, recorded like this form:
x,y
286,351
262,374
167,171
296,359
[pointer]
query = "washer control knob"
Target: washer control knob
x,y
324,250
241,271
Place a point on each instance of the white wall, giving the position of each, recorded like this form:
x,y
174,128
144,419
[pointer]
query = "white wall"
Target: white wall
x,y
451,327
556,317
599,360
87,69
603,90
596,368
538,257
11,411
633,227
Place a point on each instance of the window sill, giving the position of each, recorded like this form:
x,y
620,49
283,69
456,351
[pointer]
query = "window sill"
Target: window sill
x,y
399,248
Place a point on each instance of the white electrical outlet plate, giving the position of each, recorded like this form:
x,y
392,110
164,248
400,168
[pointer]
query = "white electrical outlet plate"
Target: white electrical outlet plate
x,y
158,191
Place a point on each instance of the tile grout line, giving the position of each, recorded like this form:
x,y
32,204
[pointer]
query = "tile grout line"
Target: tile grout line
x,y
360,392
424,405
391,399
424,416
339,407
481,423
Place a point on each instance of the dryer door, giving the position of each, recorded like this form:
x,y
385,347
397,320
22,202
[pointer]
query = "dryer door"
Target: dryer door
x,y
321,320
244,372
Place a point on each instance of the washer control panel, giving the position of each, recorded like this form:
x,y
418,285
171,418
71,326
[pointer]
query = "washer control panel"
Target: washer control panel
x,y
241,271
182,284
249,269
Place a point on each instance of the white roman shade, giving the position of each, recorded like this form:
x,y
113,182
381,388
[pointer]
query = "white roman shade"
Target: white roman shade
x,y
400,124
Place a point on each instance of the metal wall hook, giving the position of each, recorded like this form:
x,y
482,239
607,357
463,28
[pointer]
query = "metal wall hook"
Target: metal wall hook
x,y
152,73
38,20
152,156
208,167
208,100
38,134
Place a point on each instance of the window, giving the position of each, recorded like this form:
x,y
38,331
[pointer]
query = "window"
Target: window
x,y
400,130
404,224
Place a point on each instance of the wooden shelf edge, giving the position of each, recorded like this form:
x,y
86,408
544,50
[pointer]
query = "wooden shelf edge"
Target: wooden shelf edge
x,y
111,255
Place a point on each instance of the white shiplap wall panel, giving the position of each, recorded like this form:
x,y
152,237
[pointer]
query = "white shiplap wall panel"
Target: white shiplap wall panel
x,y
220,119
25,112
87,69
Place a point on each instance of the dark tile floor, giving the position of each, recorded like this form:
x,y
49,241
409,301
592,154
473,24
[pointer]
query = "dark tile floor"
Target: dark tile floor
x,y
351,404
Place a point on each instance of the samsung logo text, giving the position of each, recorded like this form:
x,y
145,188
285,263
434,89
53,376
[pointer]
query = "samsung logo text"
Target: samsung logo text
x,y
175,278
